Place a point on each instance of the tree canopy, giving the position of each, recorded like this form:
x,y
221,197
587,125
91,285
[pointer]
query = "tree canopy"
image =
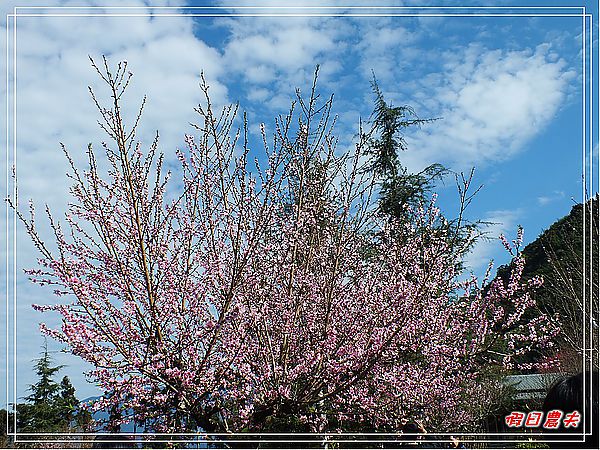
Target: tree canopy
x,y
243,296
52,406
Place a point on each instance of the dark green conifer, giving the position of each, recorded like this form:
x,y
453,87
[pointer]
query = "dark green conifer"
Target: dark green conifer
x,y
51,407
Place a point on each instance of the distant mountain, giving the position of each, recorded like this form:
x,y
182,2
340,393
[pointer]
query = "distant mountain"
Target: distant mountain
x,y
563,240
558,255
102,417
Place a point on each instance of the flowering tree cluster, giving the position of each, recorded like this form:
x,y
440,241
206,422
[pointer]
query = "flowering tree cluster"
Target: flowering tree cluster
x,y
253,289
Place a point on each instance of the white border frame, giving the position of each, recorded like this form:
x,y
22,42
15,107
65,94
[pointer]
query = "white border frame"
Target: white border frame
x,y
346,11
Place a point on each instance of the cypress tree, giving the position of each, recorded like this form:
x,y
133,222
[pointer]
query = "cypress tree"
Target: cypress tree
x,y
399,188
51,406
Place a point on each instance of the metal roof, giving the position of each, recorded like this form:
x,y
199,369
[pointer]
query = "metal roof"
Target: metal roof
x,y
531,386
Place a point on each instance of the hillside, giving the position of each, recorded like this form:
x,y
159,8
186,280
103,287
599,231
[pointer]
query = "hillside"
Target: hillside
x,y
558,256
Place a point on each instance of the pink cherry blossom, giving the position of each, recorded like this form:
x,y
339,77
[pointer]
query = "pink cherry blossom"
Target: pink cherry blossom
x,y
269,288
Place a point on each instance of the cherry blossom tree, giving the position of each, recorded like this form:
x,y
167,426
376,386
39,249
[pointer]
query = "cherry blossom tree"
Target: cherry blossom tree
x,y
263,286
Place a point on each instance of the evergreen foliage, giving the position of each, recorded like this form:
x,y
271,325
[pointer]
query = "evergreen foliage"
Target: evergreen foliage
x,y
399,187
400,190
51,407
6,427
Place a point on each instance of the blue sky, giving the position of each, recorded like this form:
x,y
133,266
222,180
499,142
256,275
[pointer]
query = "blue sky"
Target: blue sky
x,y
507,92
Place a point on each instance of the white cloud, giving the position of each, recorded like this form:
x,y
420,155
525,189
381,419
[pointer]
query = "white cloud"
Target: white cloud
x,y
386,48
285,48
499,222
544,200
491,103
53,105
280,54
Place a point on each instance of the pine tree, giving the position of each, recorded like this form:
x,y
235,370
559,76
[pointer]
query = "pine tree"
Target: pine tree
x,y
46,388
6,427
399,188
51,406
67,403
